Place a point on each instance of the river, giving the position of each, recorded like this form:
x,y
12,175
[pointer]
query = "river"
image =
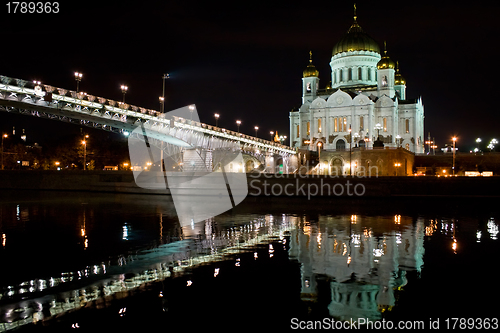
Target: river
x,y
122,261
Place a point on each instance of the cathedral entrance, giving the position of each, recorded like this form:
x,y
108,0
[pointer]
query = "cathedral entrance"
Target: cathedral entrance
x,y
340,145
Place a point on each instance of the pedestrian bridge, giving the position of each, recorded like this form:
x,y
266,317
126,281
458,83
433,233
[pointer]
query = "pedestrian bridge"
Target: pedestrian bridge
x,y
165,130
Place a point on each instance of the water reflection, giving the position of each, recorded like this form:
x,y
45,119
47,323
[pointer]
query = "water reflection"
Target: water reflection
x,y
364,258
65,253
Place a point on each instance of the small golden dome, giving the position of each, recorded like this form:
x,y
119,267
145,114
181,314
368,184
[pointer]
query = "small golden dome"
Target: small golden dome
x,y
399,80
310,70
386,62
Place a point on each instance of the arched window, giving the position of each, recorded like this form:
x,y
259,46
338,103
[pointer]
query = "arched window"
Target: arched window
x,y
349,74
298,131
345,125
361,123
407,125
308,128
340,76
319,125
369,72
335,125
385,124
340,145
360,74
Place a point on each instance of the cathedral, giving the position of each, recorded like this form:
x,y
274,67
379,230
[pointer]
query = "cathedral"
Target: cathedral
x,y
364,106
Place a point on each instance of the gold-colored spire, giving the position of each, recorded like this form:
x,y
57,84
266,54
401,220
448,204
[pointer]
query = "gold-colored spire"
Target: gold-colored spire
x,y
310,56
355,16
310,69
398,78
385,62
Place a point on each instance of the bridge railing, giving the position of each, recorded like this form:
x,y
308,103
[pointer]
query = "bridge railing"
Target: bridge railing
x,y
38,90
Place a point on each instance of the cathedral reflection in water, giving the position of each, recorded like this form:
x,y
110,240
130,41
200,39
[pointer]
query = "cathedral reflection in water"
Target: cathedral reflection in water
x,y
365,260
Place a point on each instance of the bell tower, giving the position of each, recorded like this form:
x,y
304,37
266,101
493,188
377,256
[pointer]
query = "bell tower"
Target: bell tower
x,y
310,82
385,75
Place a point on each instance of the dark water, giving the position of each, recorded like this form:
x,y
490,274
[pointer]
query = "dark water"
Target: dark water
x,y
123,262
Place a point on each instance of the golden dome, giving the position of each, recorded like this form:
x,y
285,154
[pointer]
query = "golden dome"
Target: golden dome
x,y
310,70
356,40
398,78
386,62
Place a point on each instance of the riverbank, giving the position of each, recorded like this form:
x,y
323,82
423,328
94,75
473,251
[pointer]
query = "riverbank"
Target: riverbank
x,y
263,184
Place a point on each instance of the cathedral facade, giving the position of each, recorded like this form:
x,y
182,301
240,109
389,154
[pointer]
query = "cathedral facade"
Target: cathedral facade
x,y
364,106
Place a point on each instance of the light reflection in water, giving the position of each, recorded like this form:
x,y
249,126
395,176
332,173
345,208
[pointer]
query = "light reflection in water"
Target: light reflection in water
x,y
365,259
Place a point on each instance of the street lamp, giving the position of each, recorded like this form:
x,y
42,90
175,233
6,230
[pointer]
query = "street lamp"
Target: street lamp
x,y
454,141
162,98
378,127
84,143
256,129
356,138
216,115
78,78
272,134
124,89
350,151
3,137
397,165
238,123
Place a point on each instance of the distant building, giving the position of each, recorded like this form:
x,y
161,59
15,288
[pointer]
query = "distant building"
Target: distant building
x,y
365,100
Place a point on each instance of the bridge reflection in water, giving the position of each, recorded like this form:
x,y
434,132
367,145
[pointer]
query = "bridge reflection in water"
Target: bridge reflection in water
x,y
64,252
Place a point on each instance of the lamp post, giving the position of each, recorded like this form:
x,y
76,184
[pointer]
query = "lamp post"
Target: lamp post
x,y
454,141
124,89
378,127
397,165
3,137
78,78
478,141
164,77
350,151
272,134
84,143
356,138
238,123
256,129
216,115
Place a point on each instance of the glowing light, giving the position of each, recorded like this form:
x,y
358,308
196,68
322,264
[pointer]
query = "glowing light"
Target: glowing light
x,y
189,283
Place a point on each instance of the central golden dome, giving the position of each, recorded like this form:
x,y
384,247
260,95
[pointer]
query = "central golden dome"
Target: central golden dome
x,y
356,40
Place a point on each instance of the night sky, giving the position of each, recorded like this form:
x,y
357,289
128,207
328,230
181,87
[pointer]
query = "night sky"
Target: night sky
x,y
245,60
